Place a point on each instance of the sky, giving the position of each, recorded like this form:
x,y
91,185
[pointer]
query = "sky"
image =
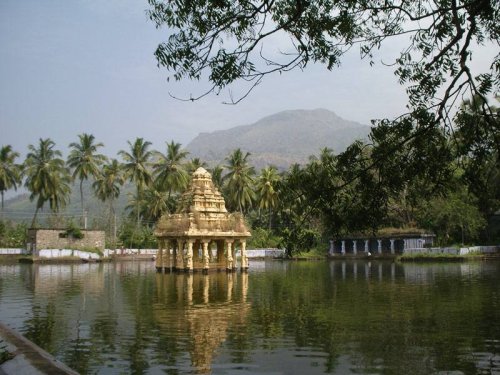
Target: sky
x,y
69,67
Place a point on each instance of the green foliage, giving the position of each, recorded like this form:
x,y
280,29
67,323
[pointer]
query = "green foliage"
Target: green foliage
x,y
170,173
73,232
10,172
453,217
299,239
137,168
136,237
477,147
239,181
12,235
84,160
46,176
263,239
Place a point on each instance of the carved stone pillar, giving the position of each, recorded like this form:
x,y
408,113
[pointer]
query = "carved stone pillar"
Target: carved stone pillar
x,y
367,250
206,258
229,256
379,247
343,247
355,247
188,261
244,259
393,250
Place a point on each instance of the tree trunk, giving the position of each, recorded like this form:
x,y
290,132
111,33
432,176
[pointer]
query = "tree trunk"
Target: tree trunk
x,y
270,217
138,205
34,217
81,193
462,226
81,202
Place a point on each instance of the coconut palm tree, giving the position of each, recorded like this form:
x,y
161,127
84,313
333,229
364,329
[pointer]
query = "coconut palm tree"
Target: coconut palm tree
x,y
136,168
158,204
266,189
84,160
47,178
108,183
239,180
217,176
170,174
107,187
194,164
10,172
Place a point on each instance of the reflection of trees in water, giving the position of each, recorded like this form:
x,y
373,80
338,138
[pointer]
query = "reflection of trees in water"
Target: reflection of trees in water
x,y
379,322
40,327
65,319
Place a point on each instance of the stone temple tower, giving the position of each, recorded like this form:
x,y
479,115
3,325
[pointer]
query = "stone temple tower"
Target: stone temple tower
x,y
187,238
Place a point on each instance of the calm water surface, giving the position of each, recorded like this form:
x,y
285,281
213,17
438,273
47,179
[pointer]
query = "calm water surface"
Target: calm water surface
x,y
280,318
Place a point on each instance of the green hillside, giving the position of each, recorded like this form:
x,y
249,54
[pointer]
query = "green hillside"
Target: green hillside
x,y
21,209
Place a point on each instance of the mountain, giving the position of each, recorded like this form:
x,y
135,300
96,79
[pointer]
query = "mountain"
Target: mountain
x,y
281,139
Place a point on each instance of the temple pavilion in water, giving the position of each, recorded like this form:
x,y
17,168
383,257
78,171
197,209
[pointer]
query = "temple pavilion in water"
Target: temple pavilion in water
x,y
201,235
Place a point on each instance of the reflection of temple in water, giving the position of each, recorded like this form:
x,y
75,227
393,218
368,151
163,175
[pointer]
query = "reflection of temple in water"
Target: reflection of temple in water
x,y
204,308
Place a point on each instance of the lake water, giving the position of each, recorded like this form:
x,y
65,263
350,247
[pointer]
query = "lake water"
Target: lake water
x,y
334,317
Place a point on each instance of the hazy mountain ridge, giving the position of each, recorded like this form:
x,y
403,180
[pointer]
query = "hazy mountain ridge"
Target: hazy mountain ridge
x,y
20,208
281,139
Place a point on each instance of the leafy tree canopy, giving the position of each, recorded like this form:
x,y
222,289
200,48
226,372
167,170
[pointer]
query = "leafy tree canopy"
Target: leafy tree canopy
x,y
226,41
